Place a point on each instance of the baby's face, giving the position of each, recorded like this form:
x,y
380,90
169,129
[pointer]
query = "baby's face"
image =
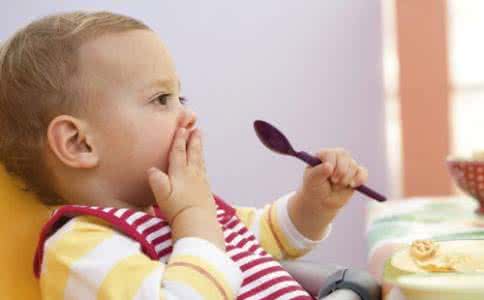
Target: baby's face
x,y
134,109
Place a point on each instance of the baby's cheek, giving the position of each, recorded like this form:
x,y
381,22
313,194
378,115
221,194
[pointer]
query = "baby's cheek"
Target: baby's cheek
x,y
157,150
154,135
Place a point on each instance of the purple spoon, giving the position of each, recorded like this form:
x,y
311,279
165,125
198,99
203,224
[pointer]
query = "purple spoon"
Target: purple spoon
x,y
276,141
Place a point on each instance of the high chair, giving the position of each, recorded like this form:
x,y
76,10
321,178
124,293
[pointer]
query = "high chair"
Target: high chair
x,y
22,217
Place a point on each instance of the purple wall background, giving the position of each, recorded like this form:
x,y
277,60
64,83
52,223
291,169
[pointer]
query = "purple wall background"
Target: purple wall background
x,y
311,67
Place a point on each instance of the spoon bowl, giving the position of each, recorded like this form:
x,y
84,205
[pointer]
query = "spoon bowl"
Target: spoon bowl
x,y
272,138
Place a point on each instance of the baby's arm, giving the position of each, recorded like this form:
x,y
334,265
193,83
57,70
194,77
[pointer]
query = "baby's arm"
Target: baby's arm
x,y
275,231
86,259
293,225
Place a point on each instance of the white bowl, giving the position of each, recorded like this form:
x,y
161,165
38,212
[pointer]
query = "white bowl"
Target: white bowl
x,y
418,284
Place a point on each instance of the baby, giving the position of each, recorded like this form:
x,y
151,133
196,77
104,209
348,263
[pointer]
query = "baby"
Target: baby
x,y
92,120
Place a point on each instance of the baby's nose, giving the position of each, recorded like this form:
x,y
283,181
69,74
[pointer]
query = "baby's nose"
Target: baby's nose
x,y
188,119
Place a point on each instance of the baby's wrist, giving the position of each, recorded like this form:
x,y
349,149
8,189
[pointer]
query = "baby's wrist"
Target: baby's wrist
x,y
310,219
312,207
198,222
192,213
317,204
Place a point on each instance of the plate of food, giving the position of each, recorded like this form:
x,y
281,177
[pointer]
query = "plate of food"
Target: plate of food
x,y
444,270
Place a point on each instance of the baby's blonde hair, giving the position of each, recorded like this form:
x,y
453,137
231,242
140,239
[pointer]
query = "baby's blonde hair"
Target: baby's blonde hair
x,y
38,81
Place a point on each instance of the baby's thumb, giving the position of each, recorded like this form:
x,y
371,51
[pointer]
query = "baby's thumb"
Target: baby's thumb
x,y
318,173
160,184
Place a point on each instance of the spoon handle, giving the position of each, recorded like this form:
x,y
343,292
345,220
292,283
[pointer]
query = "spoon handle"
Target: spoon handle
x,y
308,158
314,161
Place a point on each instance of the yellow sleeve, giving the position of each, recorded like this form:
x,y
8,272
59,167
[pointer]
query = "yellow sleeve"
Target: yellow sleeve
x,y
86,259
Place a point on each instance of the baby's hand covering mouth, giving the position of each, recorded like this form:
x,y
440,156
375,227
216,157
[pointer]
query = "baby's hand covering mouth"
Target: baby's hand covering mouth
x,y
183,194
185,184
192,129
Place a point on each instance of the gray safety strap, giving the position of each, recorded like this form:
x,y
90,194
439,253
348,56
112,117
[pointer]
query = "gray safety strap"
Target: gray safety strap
x,y
358,281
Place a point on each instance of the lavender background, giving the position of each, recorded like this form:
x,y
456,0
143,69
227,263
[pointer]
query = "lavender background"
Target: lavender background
x,y
313,68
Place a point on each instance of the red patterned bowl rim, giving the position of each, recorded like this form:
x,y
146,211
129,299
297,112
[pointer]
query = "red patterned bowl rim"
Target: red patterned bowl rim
x,y
453,160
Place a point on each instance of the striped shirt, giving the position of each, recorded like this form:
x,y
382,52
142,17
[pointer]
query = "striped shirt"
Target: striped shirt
x,y
107,253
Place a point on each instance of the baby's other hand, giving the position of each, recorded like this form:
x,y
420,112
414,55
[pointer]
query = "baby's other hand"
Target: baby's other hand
x,y
330,185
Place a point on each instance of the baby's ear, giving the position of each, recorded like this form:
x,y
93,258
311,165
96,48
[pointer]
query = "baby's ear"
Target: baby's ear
x,y
71,142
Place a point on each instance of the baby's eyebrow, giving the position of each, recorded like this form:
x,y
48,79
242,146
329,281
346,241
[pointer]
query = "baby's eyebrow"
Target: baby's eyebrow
x,y
163,83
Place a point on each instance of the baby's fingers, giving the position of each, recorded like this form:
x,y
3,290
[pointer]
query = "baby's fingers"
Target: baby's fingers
x,y
328,156
318,174
195,149
360,178
350,173
343,161
160,185
178,155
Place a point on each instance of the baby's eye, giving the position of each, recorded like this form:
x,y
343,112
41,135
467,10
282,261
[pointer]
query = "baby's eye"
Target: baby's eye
x,y
162,99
